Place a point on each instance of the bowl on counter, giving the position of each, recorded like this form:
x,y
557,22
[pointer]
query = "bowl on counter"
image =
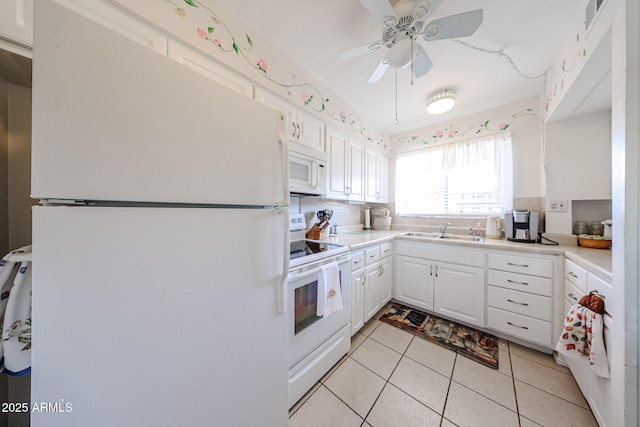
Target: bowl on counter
x,y
594,241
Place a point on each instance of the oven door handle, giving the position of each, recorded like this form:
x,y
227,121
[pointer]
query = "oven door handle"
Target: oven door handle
x,y
298,276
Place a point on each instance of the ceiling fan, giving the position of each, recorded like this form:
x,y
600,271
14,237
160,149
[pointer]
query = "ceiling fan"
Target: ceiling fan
x,y
404,23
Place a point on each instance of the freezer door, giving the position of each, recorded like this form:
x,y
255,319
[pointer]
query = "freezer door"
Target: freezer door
x,y
158,317
114,120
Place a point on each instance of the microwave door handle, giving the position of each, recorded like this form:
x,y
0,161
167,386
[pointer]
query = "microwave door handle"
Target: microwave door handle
x,y
314,174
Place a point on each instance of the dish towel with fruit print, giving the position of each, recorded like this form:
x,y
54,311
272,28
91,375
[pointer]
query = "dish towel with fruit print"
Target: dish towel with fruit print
x,y
582,338
15,314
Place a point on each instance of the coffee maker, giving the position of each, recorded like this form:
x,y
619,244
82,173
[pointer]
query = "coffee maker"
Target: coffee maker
x,y
521,225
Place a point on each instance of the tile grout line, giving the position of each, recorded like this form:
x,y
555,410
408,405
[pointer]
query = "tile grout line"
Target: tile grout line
x,y
513,381
390,375
446,398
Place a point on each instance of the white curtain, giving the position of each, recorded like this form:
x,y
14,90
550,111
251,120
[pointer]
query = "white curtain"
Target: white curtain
x,y
474,176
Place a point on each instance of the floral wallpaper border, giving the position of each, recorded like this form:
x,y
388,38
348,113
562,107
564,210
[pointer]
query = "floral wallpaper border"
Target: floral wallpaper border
x,y
213,30
451,132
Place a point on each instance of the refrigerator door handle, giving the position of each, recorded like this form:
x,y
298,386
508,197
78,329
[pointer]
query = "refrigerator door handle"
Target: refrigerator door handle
x,y
285,264
284,146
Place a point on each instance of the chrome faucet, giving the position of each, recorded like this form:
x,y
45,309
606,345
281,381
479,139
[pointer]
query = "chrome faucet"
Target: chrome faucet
x,y
443,227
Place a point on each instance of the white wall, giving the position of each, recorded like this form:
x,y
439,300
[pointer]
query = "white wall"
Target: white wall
x,y
577,164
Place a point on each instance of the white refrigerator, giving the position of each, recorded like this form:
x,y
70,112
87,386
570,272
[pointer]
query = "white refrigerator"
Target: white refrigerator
x,y
160,249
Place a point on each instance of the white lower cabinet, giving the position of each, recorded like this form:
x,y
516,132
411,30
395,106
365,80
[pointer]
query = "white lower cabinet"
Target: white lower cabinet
x,y
596,390
520,296
371,282
414,281
432,277
458,292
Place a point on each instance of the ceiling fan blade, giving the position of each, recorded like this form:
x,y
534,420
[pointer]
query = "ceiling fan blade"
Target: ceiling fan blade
x,y
382,11
361,50
454,26
422,63
379,71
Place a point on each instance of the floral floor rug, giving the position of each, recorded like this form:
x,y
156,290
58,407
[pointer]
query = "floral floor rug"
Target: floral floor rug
x,y
468,342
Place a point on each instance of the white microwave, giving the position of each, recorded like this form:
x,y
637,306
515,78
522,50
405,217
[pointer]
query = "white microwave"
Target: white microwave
x,y
307,172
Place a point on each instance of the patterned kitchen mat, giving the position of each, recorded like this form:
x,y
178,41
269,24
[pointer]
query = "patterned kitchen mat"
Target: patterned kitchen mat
x,y
471,343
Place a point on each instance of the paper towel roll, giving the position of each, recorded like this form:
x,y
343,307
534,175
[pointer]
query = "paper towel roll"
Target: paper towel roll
x,y
367,219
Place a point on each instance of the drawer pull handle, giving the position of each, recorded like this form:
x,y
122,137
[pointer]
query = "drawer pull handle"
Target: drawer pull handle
x,y
517,265
517,326
571,273
357,262
572,297
519,303
431,270
519,283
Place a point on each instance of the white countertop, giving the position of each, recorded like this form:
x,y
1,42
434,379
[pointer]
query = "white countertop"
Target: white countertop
x,y
597,261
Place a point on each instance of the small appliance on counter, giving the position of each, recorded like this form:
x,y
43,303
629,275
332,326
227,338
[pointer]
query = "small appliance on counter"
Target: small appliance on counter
x,y
522,225
381,218
494,228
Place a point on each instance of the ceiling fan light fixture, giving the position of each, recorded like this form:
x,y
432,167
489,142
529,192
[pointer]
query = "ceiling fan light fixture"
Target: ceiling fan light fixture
x,y
400,54
441,102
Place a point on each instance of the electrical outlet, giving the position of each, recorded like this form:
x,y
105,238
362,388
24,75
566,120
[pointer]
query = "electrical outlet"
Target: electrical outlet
x,y
558,206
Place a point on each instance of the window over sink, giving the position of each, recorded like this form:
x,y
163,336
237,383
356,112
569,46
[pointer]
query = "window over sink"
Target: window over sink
x,y
469,177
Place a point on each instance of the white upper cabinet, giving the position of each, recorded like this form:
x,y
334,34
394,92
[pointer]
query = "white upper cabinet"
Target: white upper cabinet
x,y
345,180
310,131
377,173
210,68
337,178
302,127
16,22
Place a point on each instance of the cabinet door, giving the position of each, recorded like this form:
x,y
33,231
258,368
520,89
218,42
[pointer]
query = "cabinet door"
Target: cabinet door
x,y
16,22
338,167
383,174
310,131
356,171
599,394
357,301
459,293
385,282
371,291
414,281
372,176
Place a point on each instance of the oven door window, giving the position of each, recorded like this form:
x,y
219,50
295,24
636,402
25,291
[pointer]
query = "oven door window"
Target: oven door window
x,y
306,299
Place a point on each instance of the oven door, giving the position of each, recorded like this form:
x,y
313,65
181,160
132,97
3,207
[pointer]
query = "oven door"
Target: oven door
x,y
306,330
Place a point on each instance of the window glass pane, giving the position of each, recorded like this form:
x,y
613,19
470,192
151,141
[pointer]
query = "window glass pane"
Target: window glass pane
x,y
470,177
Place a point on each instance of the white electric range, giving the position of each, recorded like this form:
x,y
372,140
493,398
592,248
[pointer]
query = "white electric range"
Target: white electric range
x,y
316,343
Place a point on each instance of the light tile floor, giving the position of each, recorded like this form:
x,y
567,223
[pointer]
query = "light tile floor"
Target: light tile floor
x,y
393,378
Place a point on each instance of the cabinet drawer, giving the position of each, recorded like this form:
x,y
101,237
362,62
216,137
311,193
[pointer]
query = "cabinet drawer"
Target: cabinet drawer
x,y
371,255
386,250
520,264
571,292
575,274
357,260
527,328
520,282
520,302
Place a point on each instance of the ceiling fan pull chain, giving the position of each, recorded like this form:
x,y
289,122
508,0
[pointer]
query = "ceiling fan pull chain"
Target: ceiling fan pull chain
x,y
395,122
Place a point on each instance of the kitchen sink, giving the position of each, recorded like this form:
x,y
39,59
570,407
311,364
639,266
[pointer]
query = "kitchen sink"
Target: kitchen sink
x,y
462,238
453,237
433,235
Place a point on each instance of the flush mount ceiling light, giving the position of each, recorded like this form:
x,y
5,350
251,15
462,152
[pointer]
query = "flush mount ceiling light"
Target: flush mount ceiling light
x,y
441,102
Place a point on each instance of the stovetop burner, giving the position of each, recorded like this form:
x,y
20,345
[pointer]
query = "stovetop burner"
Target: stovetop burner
x,y
303,248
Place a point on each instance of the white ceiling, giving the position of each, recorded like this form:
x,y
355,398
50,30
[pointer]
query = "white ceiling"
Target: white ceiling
x,y
313,33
